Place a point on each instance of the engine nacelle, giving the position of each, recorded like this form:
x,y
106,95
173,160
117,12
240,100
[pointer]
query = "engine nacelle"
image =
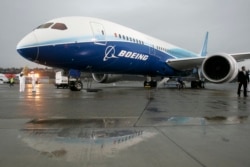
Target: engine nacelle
x,y
106,78
219,68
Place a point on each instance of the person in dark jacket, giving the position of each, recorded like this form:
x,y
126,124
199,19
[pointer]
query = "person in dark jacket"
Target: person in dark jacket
x,y
243,79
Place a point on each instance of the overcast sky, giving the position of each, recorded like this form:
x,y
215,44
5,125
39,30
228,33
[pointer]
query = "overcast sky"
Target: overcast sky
x,y
180,22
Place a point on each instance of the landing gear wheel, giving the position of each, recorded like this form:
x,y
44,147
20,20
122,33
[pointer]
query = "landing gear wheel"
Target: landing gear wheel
x,y
197,84
76,86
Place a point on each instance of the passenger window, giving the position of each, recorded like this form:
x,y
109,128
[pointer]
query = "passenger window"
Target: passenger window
x,y
59,26
46,25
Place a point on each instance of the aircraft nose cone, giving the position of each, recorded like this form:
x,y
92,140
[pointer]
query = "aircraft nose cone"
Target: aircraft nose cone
x,y
27,47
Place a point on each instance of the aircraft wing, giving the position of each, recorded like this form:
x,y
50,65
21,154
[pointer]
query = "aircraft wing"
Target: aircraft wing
x,y
189,63
185,63
241,56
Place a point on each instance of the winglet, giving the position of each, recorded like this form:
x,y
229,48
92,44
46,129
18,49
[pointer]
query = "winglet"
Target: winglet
x,y
204,47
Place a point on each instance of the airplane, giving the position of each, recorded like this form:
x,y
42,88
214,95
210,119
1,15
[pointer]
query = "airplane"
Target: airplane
x,y
108,50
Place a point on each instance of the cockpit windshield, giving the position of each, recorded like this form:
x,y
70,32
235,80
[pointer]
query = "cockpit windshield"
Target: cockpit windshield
x,y
57,26
46,25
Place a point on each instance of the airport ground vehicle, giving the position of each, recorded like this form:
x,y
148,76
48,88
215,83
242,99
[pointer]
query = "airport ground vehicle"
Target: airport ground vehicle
x,y
70,79
61,80
4,78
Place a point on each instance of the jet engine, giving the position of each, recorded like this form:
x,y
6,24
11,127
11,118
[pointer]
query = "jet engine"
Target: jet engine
x,y
219,68
106,78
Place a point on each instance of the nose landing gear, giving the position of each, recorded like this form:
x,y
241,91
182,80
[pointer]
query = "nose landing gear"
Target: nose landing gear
x,y
75,85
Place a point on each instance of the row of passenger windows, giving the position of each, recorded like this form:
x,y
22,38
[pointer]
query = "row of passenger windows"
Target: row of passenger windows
x,y
161,48
128,38
124,37
57,26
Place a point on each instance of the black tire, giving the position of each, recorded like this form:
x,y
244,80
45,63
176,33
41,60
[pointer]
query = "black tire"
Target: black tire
x,y
194,84
76,86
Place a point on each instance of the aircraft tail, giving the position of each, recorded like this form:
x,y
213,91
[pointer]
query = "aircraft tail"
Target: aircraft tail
x,y
204,47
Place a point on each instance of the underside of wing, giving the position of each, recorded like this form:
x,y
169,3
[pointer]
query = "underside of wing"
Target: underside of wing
x,y
189,63
241,56
185,63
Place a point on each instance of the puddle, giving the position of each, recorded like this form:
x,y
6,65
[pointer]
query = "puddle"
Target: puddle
x,y
75,139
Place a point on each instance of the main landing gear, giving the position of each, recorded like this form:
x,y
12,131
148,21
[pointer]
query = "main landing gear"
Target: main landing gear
x,y
149,83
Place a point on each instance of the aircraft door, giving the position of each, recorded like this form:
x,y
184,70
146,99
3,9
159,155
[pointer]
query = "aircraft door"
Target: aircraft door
x,y
98,33
151,49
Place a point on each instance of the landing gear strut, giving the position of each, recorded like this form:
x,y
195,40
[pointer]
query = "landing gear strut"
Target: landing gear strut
x,y
149,83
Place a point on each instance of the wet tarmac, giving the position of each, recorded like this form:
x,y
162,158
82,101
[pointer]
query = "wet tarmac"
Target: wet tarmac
x,y
124,125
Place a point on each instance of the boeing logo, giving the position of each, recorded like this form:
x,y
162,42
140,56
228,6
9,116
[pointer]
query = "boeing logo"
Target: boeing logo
x,y
132,55
110,53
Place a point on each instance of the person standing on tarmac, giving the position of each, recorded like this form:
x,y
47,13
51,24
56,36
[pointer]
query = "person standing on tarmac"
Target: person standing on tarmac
x,y
11,81
243,79
22,82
